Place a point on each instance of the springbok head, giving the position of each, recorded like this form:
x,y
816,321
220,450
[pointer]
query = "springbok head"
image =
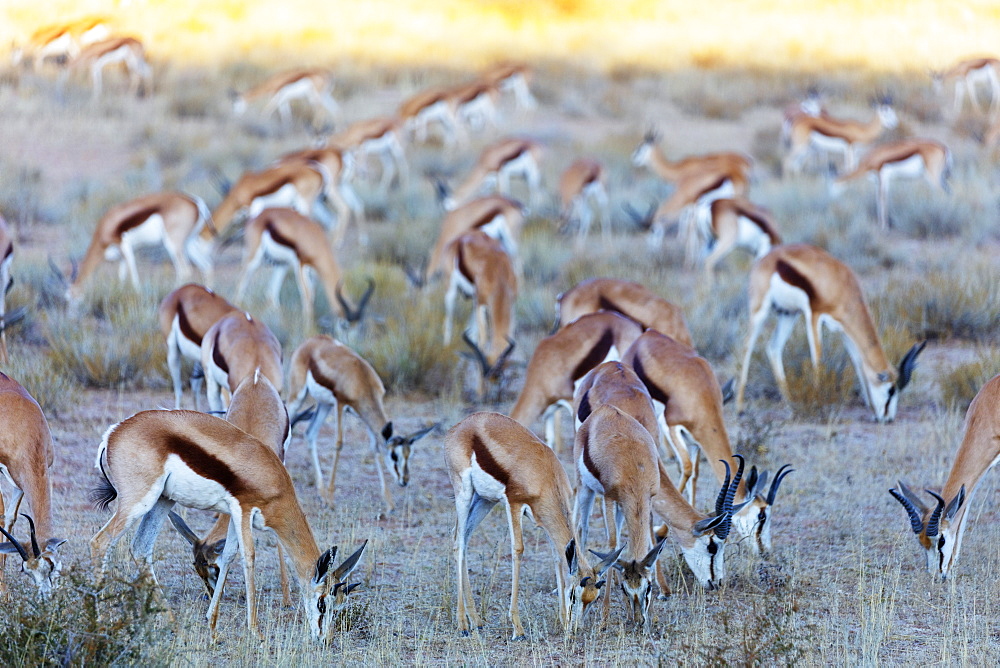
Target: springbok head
x,y
703,549
642,153
585,586
637,582
491,371
939,530
329,591
397,451
754,522
42,564
354,314
884,388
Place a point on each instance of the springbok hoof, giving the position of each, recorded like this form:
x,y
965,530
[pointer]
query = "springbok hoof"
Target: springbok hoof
x,y
520,637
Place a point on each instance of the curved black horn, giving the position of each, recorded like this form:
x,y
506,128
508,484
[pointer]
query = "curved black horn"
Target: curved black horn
x,y
479,356
651,136
908,364
932,523
720,501
782,472
16,543
420,433
916,521
34,538
498,365
221,183
731,493
351,314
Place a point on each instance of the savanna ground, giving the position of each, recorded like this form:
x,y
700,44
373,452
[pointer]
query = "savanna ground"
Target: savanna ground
x,y
845,583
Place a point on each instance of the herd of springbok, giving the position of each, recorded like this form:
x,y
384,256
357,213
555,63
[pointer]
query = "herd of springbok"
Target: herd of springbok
x,y
621,360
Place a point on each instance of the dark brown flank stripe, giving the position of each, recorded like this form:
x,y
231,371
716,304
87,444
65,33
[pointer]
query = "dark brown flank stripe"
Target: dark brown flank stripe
x,y
760,222
217,357
135,220
906,156
588,462
487,216
186,329
204,464
462,268
607,305
584,411
656,393
486,461
278,237
515,151
715,185
595,356
791,275
322,378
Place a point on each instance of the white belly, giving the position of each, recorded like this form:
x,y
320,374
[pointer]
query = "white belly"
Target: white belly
x,y
287,195
911,167
788,297
750,236
321,393
522,164
463,284
484,484
151,232
188,348
278,253
192,490
827,143
587,478
297,89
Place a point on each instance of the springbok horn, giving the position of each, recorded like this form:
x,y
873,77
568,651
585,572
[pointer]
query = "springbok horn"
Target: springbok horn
x,y
720,501
479,356
728,391
650,136
420,433
907,364
916,522
415,276
498,365
10,286
307,414
354,315
773,492
16,543
932,523
34,539
57,272
637,218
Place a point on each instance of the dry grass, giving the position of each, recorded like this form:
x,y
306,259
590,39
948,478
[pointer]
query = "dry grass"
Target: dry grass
x,y
841,587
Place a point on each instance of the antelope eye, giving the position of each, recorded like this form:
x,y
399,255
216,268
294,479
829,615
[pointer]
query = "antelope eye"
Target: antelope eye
x,y
394,456
321,605
762,515
712,547
941,543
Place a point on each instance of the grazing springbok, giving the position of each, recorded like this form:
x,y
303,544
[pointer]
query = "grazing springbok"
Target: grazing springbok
x,y
382,137
126,51
737,223
483,272
648,154
61,42
156,459
615,456
495,166
278,91
583,197
560,362
965,76
824,133
491,458
497,216
429,106
629,298
288,240
907,158
799,278
233,349
337,377
185,315
179,222
940,529
688,406
512,78
26,455
338,191
257,409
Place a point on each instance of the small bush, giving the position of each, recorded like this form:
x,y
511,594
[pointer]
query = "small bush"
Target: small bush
x,y
820,394
42,378
81,625
959,387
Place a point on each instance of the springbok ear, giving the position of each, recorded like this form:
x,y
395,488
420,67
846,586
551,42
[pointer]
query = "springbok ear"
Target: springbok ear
x,y
654,554
956,503
219,547
351,587
571,556
9,548
604,555
323,564
52,544
420,433
387,430
610,560
183,529
708,524
349,564
884,377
